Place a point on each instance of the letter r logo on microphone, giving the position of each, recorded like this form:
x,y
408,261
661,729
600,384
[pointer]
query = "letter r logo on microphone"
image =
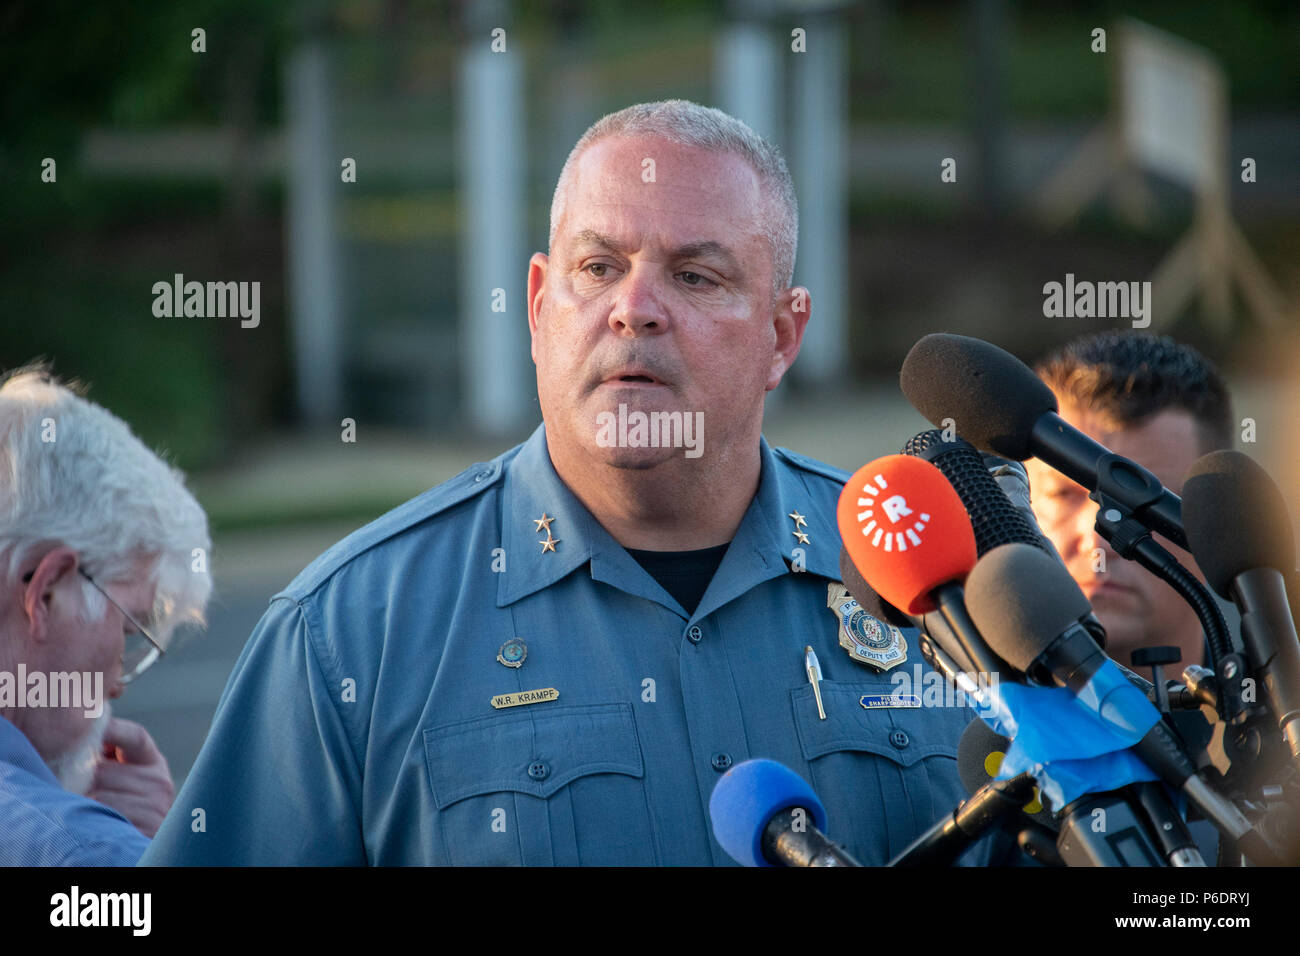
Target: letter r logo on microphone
x,y
895,507
871,496
905,530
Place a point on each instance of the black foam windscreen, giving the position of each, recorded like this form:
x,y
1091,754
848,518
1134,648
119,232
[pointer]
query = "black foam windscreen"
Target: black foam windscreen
x,y
1236,519
1021,600
866,595
993,517
978,743
979,757
992,396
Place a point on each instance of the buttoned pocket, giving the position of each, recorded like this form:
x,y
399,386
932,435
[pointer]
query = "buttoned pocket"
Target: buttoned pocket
x,y
543,785
884,773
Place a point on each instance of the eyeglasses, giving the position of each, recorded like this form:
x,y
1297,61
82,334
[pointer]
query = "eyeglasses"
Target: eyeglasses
x,y
141,649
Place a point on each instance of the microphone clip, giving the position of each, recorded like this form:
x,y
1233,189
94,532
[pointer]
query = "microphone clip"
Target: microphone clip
x,y
1126,487
1156,658
1118,525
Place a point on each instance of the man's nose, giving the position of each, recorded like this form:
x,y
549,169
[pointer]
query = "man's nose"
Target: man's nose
x,y
638,306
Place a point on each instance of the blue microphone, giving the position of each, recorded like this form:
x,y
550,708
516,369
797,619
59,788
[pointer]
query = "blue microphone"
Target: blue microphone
x,y
765,814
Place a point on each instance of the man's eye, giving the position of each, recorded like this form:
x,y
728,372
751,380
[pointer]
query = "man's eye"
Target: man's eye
x,y
694,279
597,270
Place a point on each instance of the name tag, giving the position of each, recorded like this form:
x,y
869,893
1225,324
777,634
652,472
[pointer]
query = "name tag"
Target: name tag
x,y
872,701
525,697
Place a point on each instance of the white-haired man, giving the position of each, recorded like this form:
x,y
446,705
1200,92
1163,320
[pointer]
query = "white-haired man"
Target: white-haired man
x,y
553,657
97,536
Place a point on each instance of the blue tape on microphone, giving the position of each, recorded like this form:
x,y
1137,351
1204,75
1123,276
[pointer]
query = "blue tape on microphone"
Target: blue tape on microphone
x,y
1071,744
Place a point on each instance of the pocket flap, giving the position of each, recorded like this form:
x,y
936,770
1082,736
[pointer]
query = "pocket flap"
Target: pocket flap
x,y
558,744
926,731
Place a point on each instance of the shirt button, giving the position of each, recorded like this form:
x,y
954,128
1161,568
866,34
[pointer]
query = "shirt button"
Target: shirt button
x,y
538,770
721,761
694,634
899,739
482,474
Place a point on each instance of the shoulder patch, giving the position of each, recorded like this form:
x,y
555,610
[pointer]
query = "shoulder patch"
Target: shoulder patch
x,y
837,475
473,481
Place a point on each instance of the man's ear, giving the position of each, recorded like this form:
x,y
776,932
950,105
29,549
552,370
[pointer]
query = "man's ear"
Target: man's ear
x,y
537,267
789,320
38,593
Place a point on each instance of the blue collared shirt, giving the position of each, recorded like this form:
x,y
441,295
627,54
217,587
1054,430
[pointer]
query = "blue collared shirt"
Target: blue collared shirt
x,y
358,726
41,824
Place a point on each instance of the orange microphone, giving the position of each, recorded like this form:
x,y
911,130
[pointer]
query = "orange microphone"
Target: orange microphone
x,y
905,530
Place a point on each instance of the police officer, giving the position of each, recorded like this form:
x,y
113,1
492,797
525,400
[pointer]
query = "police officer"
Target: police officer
x,y
553,657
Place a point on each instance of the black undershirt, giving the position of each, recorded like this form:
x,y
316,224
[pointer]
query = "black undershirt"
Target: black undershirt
x,y
683,574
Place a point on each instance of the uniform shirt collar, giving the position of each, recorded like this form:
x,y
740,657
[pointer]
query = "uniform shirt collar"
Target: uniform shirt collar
x,y
764,546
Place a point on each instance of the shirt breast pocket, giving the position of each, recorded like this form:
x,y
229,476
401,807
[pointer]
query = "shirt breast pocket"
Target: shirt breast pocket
x,y
562,786
883,773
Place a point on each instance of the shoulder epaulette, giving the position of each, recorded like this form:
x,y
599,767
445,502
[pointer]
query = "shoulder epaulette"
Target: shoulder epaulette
x,y
813,465
473,481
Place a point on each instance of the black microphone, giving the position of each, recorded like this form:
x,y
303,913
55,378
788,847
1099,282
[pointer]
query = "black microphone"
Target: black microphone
x,y
1035,606
994,518
1011,411
1029,608
1160,837
980,752
1001,406
1013,480
979,757
1240,530
951,836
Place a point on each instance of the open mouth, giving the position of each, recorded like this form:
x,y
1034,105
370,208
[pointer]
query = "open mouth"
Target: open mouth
x,y
632,378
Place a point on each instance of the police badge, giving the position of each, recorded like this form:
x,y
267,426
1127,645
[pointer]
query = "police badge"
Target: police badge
x,y
868,640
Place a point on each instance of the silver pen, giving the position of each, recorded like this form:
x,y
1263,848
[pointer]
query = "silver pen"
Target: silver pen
x,y
814,670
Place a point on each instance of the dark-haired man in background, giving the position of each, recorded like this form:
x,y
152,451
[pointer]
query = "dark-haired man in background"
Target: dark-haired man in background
x,y
1163,405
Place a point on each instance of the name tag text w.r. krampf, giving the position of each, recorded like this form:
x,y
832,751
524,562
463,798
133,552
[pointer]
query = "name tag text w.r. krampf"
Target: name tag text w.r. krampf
x,y
521,697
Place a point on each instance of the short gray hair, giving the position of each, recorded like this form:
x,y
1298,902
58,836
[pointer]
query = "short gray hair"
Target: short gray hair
x,y
72,473
689,124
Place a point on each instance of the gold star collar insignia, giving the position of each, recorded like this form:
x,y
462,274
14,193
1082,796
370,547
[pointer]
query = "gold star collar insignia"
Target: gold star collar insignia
x,y
799,523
